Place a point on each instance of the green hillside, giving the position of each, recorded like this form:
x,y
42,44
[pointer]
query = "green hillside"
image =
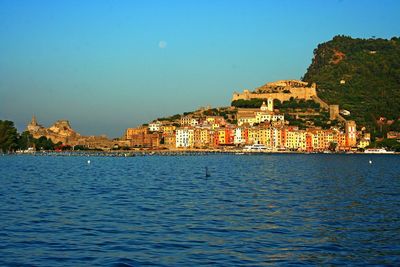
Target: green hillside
x,y
362,76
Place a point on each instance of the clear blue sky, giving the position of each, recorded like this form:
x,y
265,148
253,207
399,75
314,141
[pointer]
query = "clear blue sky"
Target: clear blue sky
x,y
110,65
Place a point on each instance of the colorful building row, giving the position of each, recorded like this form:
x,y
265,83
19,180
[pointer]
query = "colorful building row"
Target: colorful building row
x,y
274,135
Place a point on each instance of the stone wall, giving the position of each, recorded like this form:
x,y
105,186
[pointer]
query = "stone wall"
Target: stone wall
x,y
306,93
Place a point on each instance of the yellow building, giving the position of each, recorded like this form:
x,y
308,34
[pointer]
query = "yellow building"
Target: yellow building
x,y
168,128
330,137
201,137
205,139
221,136
253,135
215,126
170,140
264,136
318,141
295,139
214,119
363,143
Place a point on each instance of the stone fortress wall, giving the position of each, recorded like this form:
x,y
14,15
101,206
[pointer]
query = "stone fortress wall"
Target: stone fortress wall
x,y
282,90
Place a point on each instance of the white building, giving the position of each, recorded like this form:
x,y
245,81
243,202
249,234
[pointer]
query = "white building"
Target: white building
x,y
264,113
184,137
155,126
237,137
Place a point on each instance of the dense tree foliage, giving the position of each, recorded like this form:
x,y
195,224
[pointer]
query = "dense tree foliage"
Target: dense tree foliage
x,y
25,141
292,103
11,141
252,103
44,144
171,118
361,75
8,136
390,144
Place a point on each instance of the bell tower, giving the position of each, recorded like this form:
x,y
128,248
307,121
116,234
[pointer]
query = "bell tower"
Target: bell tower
x,y
264,107
34,121
270,104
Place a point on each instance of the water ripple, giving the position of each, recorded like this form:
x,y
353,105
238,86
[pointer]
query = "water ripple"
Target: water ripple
x,y
162,211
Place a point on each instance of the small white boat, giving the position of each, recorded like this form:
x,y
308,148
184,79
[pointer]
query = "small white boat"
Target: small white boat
x,y
255,148
377,151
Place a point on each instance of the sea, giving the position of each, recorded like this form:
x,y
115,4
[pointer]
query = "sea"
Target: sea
x,y
200,210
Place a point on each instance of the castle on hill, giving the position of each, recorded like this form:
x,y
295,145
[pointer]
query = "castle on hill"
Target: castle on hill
x,y
282,90
60,131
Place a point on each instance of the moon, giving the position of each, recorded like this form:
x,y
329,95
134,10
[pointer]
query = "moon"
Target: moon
x,y
162,44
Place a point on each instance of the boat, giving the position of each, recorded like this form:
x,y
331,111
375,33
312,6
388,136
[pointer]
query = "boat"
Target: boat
x,y
255,148
377,151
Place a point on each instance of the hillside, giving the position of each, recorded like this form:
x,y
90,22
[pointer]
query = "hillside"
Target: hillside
x,y
362,76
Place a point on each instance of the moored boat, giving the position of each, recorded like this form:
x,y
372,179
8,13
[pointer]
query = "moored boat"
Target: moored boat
x,y
378,151
255,148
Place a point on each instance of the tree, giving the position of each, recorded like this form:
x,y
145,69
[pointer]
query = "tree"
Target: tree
x,y
8,136
332,146
44,144
25,140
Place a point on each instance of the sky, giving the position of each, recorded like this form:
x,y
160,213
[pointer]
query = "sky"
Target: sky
x,y
109,65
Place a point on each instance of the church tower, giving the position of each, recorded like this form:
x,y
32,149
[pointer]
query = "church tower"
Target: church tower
x,y
263,107
33,122
270,104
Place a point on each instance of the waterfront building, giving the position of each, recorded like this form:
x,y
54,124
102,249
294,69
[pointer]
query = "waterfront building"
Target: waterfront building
x,y
264,135
318,139
253,137
351,133
169,140
278,136
205,137
221,136
132,131
201,137
330,137
296,139
215,137
240,136
341,140
184,137
229,135
142,137
309,141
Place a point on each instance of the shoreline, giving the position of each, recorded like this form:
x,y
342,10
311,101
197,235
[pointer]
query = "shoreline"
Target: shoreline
x,y
186,152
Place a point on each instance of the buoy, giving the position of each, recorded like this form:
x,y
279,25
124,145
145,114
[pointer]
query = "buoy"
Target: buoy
x,y
370,161
207,173
88,162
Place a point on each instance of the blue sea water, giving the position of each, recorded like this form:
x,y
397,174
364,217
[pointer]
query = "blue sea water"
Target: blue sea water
x,y
156,210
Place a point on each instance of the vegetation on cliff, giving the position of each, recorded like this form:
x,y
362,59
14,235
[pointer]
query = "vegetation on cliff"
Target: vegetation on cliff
x,y
226,112
8,136
362,76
